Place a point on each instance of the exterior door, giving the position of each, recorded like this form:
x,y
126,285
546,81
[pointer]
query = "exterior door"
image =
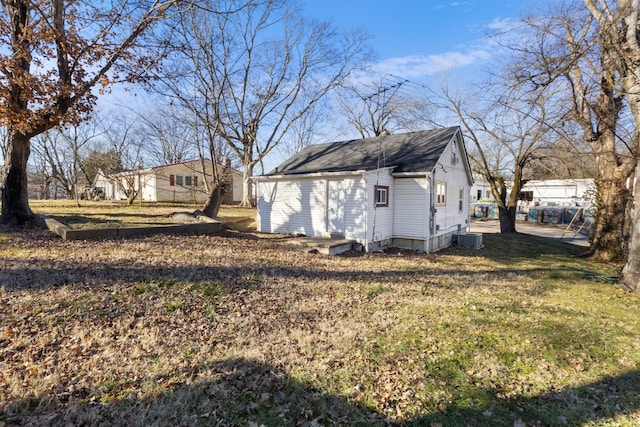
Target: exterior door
x,y
335,207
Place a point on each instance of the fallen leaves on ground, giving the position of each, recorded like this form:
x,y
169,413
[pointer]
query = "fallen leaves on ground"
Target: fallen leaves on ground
x,y
238,330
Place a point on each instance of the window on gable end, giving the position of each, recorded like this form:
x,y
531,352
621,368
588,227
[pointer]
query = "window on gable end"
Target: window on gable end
x,y
179,180
188,180
454,153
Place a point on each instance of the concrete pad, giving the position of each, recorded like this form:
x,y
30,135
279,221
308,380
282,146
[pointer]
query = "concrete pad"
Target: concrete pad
x,y
551,231
68,233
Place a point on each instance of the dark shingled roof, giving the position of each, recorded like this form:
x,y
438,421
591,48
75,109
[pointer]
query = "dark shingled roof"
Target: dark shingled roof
x,y
407,152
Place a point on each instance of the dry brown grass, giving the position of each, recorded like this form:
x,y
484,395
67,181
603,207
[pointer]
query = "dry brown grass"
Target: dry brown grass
x,y
239,330
101,214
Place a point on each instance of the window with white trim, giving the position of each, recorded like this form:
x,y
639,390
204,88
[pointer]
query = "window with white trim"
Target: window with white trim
x,y
188,180
461,199
179,180
441,193
382,195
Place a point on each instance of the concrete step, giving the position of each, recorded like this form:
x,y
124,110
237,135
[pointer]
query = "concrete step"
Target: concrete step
x,y
324,245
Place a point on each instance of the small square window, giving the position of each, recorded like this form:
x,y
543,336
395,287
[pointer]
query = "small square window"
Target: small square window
x,y
179,180
188,181
382,195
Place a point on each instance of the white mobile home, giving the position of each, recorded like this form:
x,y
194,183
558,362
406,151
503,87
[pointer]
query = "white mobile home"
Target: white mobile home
x,y
407,190
559,192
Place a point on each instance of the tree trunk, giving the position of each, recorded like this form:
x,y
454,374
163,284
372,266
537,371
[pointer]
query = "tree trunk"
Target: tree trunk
x,y
13,181
216,195
507,218
608,238
219,188
247,187
631,271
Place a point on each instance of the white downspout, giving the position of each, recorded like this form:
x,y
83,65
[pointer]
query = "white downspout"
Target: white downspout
x,y
427,229
366,211
432,208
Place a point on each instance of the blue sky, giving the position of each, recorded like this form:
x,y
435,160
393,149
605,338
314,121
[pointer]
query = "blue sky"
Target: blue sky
x,y
419,38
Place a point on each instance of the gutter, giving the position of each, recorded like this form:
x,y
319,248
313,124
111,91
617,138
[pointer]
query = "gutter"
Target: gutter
x,y
309,175
408,174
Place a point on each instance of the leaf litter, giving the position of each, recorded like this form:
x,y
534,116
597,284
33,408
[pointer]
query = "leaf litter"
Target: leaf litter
x,y
238,330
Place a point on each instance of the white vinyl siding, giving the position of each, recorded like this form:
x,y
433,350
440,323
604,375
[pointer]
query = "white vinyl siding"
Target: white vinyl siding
x,y
449,218
148,188
300,206
296,206
354,208
410,208
379,219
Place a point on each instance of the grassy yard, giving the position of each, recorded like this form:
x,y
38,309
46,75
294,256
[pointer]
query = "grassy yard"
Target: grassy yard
x,y
241,330
92,214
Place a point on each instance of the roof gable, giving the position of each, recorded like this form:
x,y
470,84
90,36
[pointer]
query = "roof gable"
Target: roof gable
x,y
408,152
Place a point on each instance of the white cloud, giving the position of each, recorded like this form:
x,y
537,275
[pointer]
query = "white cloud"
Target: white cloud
x,y
415,66
503,24
453,4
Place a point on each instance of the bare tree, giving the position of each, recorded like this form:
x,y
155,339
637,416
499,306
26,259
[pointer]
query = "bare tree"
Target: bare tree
x,y
568,52
62,149
384,104
170,134
506,132
618,38
53,53
124,135
309,129
255,71
566,157
40,177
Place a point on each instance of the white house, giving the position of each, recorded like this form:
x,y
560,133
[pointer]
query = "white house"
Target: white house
x,y
177,182
480,191
407,190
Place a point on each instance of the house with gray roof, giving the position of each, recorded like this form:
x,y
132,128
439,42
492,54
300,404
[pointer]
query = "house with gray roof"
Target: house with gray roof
x,y
407,190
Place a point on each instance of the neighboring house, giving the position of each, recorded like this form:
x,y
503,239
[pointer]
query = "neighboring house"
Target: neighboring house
x,y
548,192
559,192
481,191
177,182
408,190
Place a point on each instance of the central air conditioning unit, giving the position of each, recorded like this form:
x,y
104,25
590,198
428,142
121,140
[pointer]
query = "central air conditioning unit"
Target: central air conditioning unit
x,y
470,240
